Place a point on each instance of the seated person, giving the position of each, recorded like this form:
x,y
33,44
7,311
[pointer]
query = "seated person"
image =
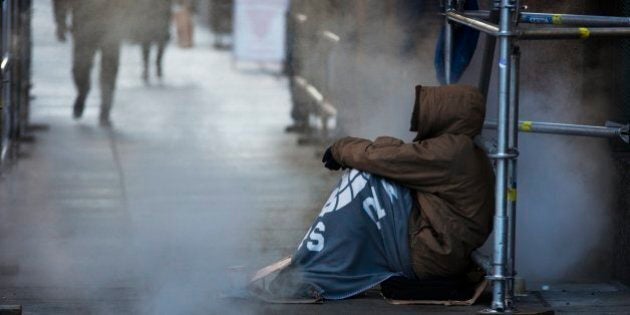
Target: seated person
x,y
413,210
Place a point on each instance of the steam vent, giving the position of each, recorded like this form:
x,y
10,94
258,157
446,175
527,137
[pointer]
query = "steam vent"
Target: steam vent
x,y
314,157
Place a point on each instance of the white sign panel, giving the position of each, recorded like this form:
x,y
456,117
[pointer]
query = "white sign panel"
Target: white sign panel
x,y
259,30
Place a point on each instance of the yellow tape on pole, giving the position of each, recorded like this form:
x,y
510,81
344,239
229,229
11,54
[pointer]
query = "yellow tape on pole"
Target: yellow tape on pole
x,y
512,195
527,126
556,19
584,33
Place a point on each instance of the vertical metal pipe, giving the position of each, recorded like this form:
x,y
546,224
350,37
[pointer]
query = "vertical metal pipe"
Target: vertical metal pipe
x,y
448,44
487,60
512,173
503,130
2,87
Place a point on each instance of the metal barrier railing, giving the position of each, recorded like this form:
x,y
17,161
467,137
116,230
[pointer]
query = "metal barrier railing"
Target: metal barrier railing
x,y
502,22
316,89
15,68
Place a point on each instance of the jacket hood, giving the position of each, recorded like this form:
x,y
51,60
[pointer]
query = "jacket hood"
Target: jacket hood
x,y
451,109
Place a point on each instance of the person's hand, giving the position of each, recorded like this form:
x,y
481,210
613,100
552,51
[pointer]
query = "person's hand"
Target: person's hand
x,y
329,161
61,33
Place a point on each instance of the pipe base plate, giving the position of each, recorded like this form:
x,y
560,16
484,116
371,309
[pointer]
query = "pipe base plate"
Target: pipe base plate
x,y
518,312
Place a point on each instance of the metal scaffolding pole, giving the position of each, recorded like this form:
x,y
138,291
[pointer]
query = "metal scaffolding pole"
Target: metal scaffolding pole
x,y
512,174
448,43
479,25
559,19
573,19
507,125
540,33
572,32
503,156
611,130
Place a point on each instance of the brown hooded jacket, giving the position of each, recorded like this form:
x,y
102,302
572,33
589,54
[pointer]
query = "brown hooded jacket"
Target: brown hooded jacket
x,y
453,179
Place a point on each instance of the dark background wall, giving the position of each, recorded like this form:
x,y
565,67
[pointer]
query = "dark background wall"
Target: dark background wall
x,y
622,152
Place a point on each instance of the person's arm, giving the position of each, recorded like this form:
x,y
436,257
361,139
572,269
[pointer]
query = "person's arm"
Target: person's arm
x,y
61,10
419,165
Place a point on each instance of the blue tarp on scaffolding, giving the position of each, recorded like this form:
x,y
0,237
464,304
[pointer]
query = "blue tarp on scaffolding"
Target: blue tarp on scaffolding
x,y
464,45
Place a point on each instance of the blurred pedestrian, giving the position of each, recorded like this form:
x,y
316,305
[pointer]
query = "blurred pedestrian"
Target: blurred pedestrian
x,y
297,48
96,25
153,28
221,21
184,23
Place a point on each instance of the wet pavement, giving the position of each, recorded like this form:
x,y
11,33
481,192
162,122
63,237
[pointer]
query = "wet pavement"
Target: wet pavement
x,y
194,185
195,177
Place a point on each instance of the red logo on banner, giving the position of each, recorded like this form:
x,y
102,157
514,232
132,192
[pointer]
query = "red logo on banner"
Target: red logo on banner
x,y
260,21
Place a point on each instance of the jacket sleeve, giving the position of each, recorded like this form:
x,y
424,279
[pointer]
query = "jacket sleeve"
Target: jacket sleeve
x,y
61,11
419,165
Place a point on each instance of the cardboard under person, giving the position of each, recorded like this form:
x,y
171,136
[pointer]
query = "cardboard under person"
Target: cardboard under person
x,y
406,216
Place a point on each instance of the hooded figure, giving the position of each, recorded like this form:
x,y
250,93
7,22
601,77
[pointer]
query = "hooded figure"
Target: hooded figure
x,y
411,211
453,180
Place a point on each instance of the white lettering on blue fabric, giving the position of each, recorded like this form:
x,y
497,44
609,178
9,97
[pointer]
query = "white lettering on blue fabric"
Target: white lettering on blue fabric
x,y
305,237
316,242
372,207
351,184
390,190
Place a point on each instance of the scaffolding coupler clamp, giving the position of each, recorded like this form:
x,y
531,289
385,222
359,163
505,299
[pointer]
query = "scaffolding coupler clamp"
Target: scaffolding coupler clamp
x,y
498,278
510,154
507,34
623,130
511,4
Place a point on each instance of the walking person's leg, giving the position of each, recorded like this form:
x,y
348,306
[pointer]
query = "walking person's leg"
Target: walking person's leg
x,y
110,56
84,50
161,46
190,27
146,52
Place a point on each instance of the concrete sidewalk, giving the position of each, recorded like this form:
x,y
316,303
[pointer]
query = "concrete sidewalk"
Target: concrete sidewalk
x,y
195,177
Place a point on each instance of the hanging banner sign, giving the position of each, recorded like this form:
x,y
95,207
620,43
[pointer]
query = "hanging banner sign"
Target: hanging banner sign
x,y
259,30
